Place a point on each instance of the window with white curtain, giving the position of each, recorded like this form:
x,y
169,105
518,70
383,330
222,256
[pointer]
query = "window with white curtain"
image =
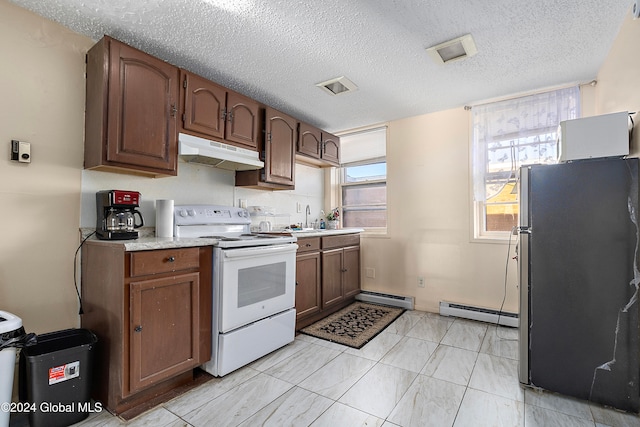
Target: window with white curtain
x,y
506,135
363,179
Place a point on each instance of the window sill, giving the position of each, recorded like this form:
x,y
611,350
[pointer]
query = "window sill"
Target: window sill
x,y
375,233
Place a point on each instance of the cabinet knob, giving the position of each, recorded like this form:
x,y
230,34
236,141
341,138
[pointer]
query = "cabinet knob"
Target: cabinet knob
x,y
344,270
297,283
138,328
171,259
174,110
308,245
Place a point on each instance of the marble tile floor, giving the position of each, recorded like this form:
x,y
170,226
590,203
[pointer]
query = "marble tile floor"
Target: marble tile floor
x,y
423,370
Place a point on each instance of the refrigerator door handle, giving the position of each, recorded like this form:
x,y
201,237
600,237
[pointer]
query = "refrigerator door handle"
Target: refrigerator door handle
x,y
523,328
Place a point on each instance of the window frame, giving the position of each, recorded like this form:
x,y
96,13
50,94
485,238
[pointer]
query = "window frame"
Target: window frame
x,y
478,220
342,184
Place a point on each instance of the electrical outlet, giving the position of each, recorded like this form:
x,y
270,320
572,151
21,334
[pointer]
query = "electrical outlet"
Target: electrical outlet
x,y
298,207
421,282
370,272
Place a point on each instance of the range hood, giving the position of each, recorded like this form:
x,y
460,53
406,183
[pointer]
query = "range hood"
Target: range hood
x,y
193,149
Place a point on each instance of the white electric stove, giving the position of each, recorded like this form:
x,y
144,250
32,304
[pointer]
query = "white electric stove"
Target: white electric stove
x,y
253,284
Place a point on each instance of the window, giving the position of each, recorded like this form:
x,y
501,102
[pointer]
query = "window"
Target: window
x,y
363,179
507,135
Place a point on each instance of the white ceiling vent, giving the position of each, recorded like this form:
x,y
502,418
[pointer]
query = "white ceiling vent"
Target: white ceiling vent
x,y
338,86
455,49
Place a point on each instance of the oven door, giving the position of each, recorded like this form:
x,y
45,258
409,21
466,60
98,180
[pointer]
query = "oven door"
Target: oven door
x,y
254,283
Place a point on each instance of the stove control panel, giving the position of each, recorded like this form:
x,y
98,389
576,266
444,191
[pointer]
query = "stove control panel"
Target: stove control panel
x,y
210,215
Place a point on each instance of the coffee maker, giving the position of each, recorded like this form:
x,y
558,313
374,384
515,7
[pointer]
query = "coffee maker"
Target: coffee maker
x,y
116,212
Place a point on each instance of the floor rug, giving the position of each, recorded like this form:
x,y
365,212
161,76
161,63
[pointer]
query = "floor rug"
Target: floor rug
x,y
354,325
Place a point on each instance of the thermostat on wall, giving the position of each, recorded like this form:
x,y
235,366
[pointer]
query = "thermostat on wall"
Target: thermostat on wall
x,y
20,151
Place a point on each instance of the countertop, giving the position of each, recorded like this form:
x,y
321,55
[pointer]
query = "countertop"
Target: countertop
x,y
320,233
152,243
149,242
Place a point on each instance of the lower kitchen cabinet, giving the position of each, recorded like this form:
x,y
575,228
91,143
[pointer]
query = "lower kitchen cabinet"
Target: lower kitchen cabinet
x,y
327,274
151,311
308,278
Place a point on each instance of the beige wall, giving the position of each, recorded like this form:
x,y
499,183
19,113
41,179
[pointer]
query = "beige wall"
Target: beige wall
x,y
429,202
618,87
42,77
44,203
429,230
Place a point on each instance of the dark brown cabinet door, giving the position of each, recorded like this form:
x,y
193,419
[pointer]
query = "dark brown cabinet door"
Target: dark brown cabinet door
x,y
331,277
280,140
307,284
204,106
309,141
351,271
142,100
212,111
317,147
164,328
242,120
331,149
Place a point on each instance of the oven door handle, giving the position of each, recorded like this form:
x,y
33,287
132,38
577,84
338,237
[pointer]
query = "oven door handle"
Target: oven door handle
x,y
260,251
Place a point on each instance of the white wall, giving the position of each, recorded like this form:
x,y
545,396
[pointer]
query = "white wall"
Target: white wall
x,y
199,184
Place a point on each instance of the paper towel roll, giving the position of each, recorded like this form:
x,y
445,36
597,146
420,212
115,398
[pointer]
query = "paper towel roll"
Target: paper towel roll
x,y
164,218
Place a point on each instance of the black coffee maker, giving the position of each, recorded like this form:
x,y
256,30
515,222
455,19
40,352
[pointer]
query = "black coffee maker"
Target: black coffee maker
x,y
116,212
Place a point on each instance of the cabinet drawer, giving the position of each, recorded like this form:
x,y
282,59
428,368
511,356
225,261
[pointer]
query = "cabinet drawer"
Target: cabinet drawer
x,y
309,244
163,261
329,242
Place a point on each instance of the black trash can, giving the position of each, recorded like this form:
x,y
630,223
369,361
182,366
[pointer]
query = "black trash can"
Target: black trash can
x,y
55,377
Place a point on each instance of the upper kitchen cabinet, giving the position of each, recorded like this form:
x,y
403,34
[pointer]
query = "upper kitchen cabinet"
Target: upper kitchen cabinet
x,y
212,111
278,152
131,111
330,149
317,147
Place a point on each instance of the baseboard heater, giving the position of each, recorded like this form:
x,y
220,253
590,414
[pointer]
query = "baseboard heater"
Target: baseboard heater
x,y
478,313
386,299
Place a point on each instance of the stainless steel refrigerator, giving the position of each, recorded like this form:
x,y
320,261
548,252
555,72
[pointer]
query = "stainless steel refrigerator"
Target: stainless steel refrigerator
x,y
578,268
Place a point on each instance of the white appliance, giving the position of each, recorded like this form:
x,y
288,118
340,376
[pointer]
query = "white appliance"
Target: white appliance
x,y
253,285
193,149
592,137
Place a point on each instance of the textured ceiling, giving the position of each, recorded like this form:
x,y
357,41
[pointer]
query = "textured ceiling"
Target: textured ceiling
x,y
275,51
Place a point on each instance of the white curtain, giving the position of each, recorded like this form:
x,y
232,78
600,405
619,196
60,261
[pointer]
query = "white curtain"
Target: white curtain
x,y
517,132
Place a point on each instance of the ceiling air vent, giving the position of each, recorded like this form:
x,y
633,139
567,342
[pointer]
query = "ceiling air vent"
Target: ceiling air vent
x,y
338,86
453,50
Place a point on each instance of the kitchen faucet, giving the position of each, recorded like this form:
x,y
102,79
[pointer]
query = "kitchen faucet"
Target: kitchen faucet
x,y
306,217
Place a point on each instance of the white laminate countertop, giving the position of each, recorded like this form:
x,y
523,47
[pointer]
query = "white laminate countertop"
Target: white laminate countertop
x,y
149,243
152,243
